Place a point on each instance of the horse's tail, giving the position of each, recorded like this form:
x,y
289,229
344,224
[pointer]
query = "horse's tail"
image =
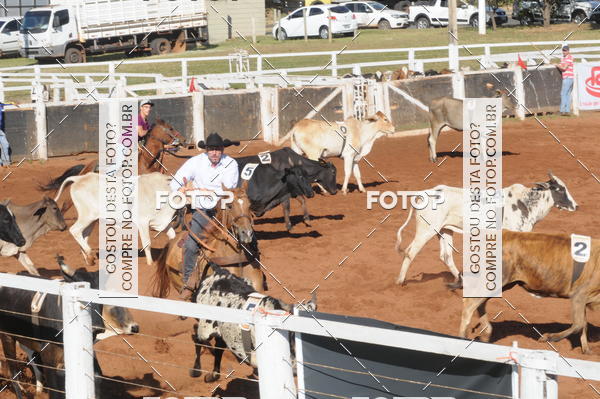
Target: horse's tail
x,y
77,170
161,283
54,184
399,233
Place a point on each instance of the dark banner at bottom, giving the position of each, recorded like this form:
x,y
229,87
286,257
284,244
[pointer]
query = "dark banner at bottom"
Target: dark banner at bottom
x,y
374,371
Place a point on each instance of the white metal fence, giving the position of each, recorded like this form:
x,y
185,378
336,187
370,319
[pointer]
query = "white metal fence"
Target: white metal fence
x,y
255,65
533,376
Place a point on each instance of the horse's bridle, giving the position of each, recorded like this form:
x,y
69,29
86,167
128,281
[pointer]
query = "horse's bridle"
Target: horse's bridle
x,y
174,137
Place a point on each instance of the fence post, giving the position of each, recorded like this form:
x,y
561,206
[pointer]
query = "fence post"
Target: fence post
x,y
269,114
160,91
2,90
197,116
184,76
515,375
458,85
519,92
535,384
348,98
111,73
273,357
78,343
411,59
575,95
40,123
334,64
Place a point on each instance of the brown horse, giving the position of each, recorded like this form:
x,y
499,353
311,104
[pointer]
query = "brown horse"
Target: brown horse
x,y
161,138
236,250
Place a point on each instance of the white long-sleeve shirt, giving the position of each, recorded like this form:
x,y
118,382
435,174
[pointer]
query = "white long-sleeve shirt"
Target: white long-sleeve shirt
x,y
204,175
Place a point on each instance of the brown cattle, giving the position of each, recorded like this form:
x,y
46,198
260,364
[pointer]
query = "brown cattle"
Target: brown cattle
x,y
542,264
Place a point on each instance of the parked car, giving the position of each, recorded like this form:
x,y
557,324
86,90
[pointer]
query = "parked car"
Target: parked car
x,y
374,14
317,22
427,13
529,12
9,35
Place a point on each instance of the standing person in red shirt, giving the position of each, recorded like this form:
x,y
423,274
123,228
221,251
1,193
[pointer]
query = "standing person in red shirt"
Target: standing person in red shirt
x,y
143,124
566,67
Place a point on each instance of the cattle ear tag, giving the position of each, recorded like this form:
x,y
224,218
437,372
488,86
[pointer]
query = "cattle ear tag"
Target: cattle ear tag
x,y
264,157
581,247
248,171
251,304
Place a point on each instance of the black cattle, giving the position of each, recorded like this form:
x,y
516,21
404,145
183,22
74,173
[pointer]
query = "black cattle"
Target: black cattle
x,y
9,230
320,172
17,322
270,187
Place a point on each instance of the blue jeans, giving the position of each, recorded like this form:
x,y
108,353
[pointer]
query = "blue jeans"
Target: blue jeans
x,y
565,95
191,248
4,149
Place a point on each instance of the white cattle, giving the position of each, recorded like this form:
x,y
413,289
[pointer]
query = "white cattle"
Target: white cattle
x,y
522,208
85,195
350,140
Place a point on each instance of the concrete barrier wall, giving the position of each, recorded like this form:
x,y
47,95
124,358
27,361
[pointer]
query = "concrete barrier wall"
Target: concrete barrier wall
x,y
294,107
406,114
476,85
20,132
178,112
542,89
72,130
243,114
234,114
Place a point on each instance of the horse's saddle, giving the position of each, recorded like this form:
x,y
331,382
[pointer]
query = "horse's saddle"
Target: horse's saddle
x,y
219,260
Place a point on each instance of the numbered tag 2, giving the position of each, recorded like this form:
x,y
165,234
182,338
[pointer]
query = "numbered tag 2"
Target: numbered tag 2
x,y
248,171
264,157
581,247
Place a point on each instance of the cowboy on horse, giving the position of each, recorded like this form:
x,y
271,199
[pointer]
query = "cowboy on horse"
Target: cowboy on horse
x,y
209,171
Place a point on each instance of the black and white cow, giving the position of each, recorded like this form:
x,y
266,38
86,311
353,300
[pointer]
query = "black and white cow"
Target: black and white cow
x,y
228,290
321,172
9,230
522,208
44,323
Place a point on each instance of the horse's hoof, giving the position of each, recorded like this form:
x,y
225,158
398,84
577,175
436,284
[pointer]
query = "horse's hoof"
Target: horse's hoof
x,y
194,373
211,377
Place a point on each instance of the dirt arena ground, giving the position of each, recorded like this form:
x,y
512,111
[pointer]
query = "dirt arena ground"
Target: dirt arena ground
x,y
364,284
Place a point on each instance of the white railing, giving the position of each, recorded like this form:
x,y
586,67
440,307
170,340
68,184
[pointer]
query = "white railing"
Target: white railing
x,y
407,56
537,366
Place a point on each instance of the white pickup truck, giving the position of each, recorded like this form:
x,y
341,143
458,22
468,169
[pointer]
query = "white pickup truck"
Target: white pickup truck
x,y
9,35
428,13
70,29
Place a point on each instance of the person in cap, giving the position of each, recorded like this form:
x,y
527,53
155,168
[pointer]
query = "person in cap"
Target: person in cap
x,y
566,68
206,171
4,144
143,124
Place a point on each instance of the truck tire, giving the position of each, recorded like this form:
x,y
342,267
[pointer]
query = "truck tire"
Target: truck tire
x,y
160,46
384,25
422,23
578,17
74,55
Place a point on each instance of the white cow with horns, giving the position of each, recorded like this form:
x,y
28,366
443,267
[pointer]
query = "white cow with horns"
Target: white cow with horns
x,y
522,208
